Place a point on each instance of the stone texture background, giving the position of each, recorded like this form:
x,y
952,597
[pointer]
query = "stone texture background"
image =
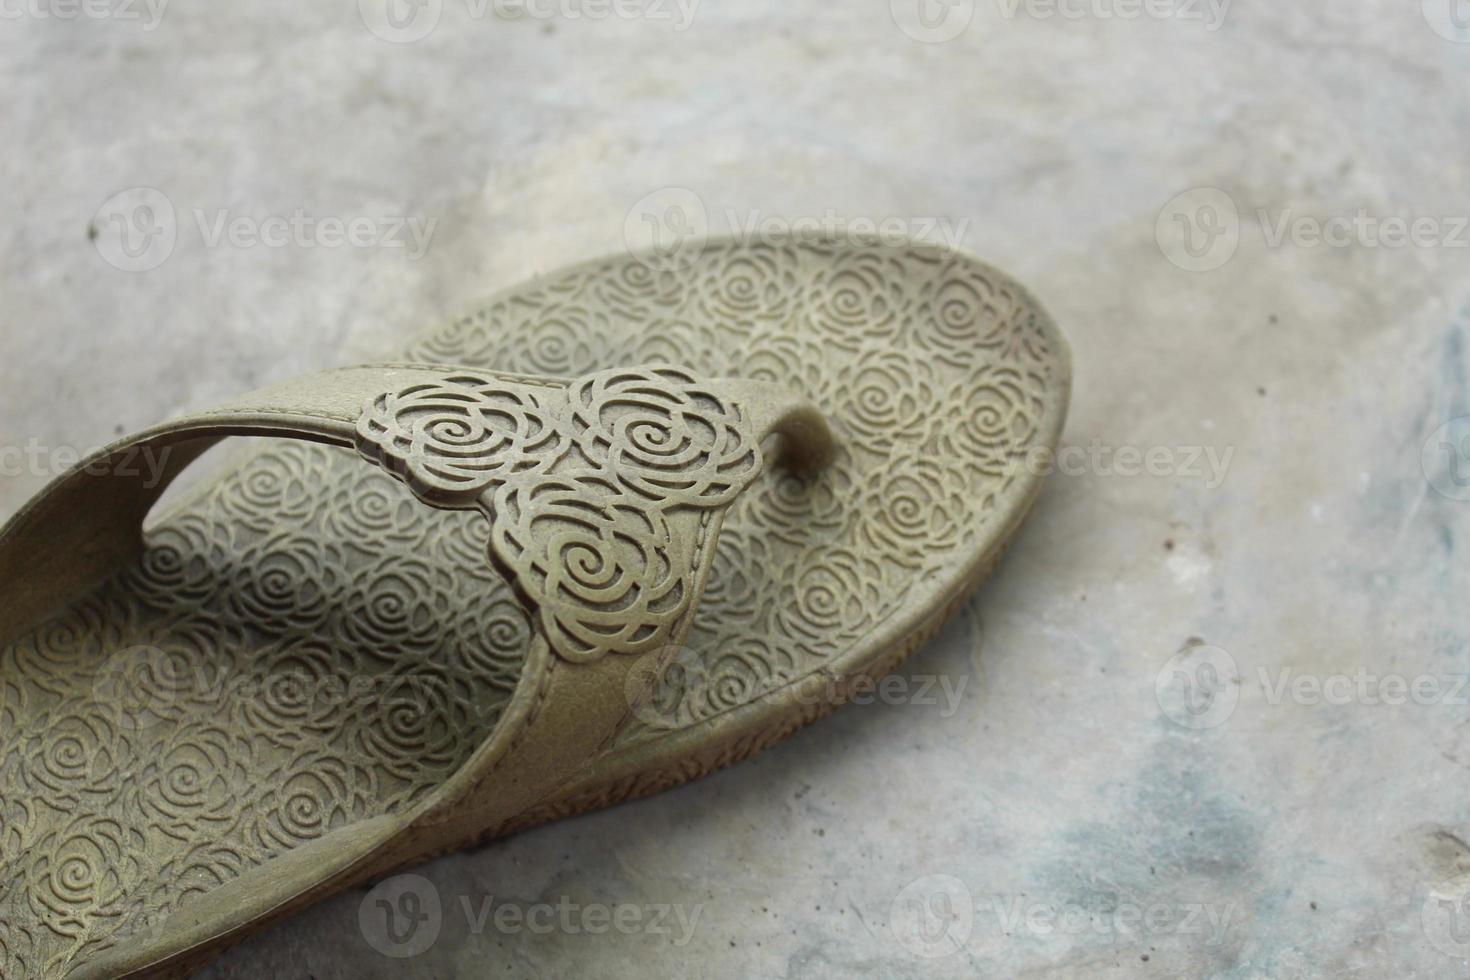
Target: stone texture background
x,y
1085,832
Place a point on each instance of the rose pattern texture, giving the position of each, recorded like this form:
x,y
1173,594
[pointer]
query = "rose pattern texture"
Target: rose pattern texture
x,y
269,500
911,353
917,505
742,562
584,535
493,640
883,398
741,287
466,538
296,691
674,342
664,436
311,794
375,511
414,723
288,582
862,296
182,565
800,510
779,357
563,341
51,655
76,755
963,313
83,874
454,439
837,592
996,421
604,577
188,789
740,670
397,607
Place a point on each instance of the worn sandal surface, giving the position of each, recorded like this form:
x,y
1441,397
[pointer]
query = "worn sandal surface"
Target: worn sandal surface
x,y
594,540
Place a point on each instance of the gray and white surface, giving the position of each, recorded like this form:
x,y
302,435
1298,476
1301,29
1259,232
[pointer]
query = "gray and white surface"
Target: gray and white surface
x,y
1287,797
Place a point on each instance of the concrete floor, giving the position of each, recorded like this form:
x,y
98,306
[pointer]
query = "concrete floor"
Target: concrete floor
x,y
1212,721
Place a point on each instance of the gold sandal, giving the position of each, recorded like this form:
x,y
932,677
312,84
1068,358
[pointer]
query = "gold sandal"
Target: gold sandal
x,y
501,582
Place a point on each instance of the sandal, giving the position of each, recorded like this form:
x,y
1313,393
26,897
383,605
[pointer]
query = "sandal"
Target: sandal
x,y
503,581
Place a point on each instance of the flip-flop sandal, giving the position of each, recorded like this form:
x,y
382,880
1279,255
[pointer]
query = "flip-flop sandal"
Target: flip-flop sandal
x,y
549,562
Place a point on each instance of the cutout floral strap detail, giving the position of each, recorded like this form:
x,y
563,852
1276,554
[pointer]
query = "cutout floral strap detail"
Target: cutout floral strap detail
x,y
599,491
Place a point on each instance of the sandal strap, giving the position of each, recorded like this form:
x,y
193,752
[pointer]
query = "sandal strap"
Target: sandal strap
x,y
602,492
